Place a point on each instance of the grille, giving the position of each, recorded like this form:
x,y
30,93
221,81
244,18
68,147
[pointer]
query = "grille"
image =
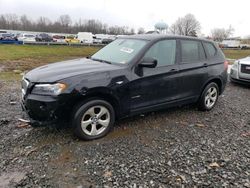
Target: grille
x,y
245,69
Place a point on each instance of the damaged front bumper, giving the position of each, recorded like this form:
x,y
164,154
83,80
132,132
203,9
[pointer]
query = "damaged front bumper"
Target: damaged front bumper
x,y
43,110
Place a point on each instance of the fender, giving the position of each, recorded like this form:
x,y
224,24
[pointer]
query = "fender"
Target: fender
x,y
217,80
104,93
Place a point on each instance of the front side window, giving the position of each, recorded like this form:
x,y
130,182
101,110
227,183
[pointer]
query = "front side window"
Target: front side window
x,y
164,52
120,51
191,51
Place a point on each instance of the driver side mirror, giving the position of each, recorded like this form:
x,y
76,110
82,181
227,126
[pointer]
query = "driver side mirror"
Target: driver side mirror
x,y
148,62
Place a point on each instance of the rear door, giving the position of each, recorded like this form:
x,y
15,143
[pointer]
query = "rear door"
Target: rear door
x,y
193,68
160,84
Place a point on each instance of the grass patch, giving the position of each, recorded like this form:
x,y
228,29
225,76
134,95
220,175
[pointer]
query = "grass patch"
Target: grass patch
x,y
236,54
10,76
26,57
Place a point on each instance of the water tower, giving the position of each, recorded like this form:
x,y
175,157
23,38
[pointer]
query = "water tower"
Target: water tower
x,y
161,27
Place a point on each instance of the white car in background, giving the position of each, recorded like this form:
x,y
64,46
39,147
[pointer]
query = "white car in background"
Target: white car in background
x,y
25,37
85,37
59,38
240,71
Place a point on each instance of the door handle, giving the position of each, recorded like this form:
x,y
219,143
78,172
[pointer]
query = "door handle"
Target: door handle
x,y
205,64
173,70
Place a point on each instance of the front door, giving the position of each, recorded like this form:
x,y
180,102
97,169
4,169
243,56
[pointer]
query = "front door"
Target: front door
x,y
154,86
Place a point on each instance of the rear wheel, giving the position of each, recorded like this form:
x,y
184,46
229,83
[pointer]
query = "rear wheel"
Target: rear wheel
x,y
209,97
93,119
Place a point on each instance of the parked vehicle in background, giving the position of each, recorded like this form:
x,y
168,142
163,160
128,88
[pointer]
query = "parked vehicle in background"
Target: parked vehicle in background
x,y
103,38
131,75
44,37
245,46
16,35
25,37
85,37
7,36
109,39
152,32
59,38
240,71
97,39
230,43
71,39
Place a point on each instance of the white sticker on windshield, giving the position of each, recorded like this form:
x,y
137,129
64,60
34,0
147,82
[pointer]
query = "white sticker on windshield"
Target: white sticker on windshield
x,y
127,50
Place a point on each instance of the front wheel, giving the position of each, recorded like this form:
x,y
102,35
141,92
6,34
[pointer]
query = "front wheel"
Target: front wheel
x,y
93,119
209,97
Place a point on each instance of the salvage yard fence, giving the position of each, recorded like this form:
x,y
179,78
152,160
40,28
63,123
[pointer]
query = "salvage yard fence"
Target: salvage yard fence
x,y
48,43
73,44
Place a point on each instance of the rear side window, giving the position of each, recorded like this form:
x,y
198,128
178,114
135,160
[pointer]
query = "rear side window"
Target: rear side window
x,y
191,51
211,50
164,52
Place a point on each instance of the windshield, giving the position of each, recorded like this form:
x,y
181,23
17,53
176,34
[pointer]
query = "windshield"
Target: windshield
x,y
119,51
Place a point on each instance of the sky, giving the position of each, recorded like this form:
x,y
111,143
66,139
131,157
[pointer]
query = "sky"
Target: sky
x,y
140,13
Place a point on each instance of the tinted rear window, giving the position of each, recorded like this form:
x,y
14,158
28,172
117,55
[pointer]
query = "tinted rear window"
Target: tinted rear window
x,y
192,51
211,50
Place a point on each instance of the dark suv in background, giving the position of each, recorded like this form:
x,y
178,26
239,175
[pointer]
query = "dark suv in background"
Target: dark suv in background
x,y
44,37
131,75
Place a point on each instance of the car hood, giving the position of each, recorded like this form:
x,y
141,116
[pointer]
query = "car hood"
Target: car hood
x,y
245,61
61,70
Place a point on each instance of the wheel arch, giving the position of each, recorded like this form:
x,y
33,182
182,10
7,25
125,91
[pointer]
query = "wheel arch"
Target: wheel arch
x,y
216,80
101,93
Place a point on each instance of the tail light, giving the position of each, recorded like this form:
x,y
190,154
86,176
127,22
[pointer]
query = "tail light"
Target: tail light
x,y
226,64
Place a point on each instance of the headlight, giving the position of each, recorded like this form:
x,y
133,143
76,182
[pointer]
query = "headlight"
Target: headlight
x,y
235,65
49,89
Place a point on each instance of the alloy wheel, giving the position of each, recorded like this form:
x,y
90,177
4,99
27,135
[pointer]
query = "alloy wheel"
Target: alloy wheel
x,y
211,97
95,120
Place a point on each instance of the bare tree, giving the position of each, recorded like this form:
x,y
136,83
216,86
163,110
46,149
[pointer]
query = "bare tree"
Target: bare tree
x,y
132,31
3,22
219,34
25,23
141,30
63,24
187,25
42,24
11,21
65,20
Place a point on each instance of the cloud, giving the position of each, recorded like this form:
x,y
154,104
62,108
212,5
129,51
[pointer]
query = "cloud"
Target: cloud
x,y
139,13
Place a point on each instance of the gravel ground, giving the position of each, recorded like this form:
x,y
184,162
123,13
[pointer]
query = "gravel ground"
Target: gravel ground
x,y
180,147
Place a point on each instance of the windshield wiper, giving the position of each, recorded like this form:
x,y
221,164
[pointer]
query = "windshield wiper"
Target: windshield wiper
x,y
100,60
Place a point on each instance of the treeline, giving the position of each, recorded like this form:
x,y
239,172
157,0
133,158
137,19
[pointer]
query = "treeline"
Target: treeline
x,y
63,24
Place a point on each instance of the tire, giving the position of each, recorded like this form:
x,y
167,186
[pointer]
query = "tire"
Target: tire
x,y
209,97
93,119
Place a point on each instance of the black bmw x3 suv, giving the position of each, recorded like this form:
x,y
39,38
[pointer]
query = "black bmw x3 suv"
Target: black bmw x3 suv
x,y
131,75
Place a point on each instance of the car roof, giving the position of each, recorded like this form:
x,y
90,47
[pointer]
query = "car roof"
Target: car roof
x,y
152,37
